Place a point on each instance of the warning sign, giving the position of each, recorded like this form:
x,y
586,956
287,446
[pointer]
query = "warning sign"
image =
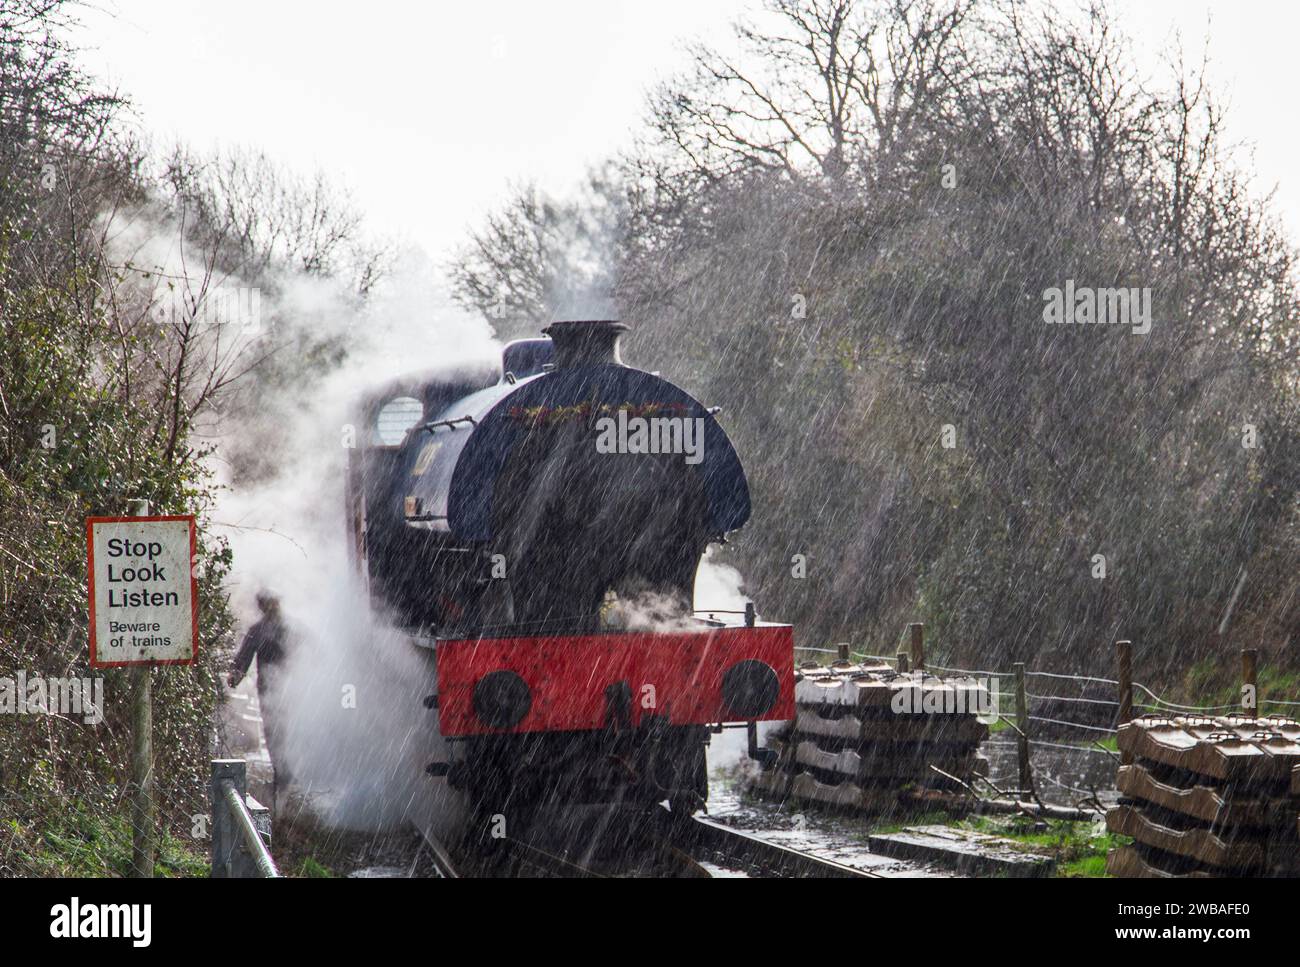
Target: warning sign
x,y
144,602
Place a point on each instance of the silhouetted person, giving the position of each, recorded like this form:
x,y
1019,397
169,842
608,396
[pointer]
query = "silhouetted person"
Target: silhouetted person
x,y
268,642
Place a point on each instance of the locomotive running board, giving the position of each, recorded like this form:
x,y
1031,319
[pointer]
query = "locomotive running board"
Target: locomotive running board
x,y
565,683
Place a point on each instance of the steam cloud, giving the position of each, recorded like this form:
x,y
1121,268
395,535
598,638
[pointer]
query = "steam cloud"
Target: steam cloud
x,y
357,735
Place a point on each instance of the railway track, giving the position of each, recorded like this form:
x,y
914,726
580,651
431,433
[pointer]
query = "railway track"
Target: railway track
x,y
657,847
735,849
431,851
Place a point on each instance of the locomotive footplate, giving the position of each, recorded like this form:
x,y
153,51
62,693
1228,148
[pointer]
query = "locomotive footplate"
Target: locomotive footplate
x,y
516,685
616,717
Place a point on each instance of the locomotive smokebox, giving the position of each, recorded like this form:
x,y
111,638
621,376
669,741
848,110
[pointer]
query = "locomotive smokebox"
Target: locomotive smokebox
x,y
517,472
587,334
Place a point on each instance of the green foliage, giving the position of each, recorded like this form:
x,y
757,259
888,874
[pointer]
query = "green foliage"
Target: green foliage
x,y
843,303
70,449
1078,848
100,394
79,839
309,867
92,419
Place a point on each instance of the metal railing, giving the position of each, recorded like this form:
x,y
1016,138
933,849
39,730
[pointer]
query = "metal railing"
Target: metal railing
x,y
241,826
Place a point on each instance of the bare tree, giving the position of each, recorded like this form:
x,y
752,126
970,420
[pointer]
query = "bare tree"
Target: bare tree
x,y
535,253
982,154
816,88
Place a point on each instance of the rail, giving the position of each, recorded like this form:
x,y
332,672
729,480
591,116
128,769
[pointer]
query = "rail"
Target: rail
x,y
713,841
444,867
241,826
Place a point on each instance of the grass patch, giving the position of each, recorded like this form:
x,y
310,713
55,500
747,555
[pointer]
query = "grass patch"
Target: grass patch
x,y
1216,680
1086,867
1079,848
933,818
78,843
311,868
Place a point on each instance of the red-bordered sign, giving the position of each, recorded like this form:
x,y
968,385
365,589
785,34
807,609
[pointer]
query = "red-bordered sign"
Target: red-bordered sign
x,y
159,609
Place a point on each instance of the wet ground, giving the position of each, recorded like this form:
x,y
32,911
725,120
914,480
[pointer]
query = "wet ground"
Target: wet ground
x,y
841,838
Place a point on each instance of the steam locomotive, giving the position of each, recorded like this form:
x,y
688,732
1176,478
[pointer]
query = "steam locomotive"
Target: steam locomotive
x,y
538,528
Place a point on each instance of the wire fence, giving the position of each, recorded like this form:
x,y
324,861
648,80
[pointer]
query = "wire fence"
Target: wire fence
x,y
1092,750
1074,725
974,673
1164,703
1102,713
1076,678
1073,700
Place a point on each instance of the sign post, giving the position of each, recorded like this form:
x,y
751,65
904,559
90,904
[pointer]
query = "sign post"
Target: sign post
x,y
144,611
143,818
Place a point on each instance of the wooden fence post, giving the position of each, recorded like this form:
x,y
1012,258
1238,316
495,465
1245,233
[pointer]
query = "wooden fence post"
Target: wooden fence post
x,y
918,646
1249,682
142,812
1124,655
1022,725
902,661
843,650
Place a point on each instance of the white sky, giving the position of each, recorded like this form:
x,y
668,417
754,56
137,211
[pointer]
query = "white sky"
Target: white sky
x,y
427,111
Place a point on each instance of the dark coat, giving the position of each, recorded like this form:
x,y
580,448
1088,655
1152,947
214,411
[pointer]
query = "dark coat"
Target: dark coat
x,y
267,641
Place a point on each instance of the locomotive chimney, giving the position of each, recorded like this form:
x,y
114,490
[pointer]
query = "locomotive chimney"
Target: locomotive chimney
x,y
586,338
